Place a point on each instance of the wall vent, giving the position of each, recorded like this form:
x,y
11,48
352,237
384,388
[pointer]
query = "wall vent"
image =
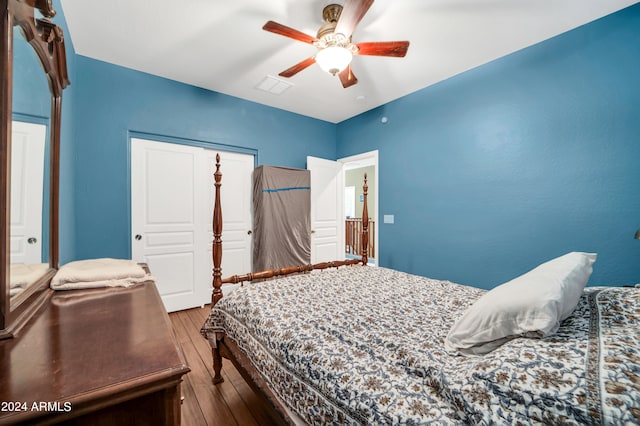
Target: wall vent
x,y
273,85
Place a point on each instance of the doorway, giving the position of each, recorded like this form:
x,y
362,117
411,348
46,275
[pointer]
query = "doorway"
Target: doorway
x,y
354,168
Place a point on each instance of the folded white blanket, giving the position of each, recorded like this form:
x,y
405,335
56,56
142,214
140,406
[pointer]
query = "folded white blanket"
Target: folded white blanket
x,y
95,273
23,274
15,291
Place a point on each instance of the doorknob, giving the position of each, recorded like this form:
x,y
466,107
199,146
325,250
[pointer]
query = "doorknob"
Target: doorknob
x,y
32,240
138,237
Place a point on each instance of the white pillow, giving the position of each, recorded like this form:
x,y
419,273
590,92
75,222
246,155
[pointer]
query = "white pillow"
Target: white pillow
x,y
531,305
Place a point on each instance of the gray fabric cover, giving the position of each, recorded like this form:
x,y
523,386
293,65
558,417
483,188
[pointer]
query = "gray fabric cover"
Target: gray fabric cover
x,y
281,217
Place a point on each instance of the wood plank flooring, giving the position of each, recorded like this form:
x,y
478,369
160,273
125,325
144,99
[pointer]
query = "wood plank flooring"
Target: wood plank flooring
x,y
232,402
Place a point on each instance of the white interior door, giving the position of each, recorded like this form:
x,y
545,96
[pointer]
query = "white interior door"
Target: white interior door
x,y
168,214
327,211
27,180
237,212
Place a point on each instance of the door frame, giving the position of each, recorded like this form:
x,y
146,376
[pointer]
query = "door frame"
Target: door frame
x,y
364,159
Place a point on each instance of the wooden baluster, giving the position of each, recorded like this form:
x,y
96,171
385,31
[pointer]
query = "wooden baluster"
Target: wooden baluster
x,y
372,238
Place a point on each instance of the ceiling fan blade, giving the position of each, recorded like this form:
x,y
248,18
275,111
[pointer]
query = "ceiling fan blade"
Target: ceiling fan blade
x,y
347,77
274,27
298,67
383,48
352,13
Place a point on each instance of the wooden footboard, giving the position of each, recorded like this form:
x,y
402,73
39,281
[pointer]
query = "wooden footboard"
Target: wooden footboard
x,y
225,347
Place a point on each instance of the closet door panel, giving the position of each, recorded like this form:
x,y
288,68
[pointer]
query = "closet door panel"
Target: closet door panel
x,y
168,218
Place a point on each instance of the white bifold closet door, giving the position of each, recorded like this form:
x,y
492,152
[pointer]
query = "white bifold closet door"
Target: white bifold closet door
x,y
171,209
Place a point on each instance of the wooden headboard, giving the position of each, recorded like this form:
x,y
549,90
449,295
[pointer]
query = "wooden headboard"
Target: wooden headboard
x,y
269,273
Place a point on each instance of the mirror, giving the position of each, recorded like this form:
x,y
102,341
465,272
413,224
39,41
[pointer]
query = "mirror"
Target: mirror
x,y
29,214
34,74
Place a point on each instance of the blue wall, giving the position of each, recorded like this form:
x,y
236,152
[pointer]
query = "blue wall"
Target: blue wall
x,y
488,173
110,101
31,95
526,158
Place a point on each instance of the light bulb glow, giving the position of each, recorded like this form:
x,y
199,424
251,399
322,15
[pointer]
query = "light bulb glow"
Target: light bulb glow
x,y
334,59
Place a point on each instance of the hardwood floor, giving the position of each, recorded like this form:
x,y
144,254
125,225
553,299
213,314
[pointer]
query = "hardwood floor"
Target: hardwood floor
x,y
232,402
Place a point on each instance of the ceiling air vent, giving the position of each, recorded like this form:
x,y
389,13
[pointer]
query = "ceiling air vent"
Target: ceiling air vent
x,y
273,85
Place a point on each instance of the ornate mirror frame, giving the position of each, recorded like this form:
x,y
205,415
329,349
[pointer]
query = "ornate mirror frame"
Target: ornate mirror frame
x,y
48,43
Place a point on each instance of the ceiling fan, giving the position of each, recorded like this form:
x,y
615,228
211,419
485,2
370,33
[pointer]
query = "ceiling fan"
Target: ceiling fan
x,y
333,41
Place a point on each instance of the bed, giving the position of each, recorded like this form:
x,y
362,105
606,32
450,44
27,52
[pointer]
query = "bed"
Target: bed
x,y
355,344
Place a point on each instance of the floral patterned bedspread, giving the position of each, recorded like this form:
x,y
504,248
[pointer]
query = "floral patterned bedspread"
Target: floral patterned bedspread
x,y
364,345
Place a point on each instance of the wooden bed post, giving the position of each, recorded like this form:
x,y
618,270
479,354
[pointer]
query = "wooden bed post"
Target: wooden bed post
x,y
365,224
216,250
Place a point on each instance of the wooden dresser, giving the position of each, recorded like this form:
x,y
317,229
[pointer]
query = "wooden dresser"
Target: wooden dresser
x,y
94,357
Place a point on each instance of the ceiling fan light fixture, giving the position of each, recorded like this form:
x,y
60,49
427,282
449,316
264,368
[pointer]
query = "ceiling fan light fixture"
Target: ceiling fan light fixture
x,y
334,59
333,41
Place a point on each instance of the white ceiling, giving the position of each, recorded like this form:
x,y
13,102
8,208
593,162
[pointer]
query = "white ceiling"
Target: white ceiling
x,y
220,45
